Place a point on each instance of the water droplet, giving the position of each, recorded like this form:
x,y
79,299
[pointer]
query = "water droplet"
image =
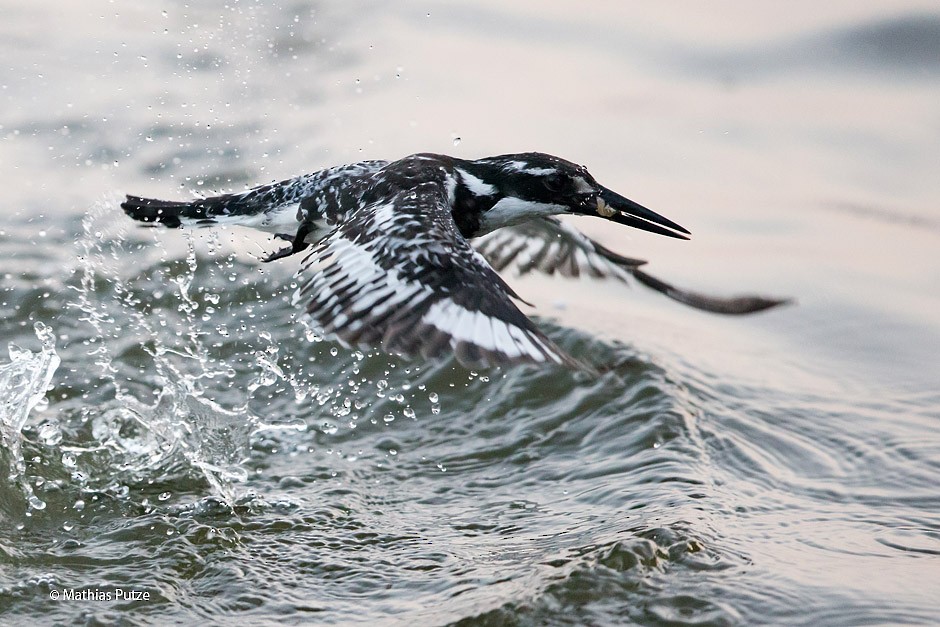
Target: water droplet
x,y
165,496
329,428
50,434
409,412
433,397
389,418
457,141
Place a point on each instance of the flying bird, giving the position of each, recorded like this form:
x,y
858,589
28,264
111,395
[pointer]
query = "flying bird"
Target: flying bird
x,y
404,255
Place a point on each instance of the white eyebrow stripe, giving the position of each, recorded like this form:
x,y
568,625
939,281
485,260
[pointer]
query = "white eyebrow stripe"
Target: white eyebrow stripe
x,y
523,168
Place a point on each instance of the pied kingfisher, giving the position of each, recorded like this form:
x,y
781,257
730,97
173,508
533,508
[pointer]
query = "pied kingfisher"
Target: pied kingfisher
x,y
405,253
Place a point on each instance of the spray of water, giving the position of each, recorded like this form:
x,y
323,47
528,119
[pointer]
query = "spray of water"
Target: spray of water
x,y
172,376
24,382
183,427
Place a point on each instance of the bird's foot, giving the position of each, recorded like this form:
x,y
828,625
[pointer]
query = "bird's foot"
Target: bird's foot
x,y
297,242
287,251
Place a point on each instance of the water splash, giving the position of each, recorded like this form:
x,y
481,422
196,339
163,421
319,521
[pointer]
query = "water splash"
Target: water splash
x,y
183,427
23,386
193,335
146,441
104,296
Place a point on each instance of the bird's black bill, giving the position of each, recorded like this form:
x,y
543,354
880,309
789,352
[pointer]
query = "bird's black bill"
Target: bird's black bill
x,y
615,207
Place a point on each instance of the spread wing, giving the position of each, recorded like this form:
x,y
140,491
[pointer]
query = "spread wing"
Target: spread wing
x,y
398,274
550,245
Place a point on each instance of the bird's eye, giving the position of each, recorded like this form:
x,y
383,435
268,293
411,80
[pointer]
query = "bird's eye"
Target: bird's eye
x,y
555,182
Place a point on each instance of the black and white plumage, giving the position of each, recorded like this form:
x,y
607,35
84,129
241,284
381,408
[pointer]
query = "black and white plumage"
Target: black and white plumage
x,y
392,265
550,245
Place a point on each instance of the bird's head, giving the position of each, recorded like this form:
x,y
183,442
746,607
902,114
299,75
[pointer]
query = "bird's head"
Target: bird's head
x,y
524,186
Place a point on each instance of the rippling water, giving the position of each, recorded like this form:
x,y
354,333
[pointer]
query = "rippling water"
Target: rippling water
x,y
169,428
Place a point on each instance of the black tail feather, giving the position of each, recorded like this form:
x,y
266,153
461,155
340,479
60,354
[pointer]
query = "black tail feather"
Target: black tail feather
x,y
172,213
165,212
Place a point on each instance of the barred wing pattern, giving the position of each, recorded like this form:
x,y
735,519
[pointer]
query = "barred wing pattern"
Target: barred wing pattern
x,y
398,274
550,245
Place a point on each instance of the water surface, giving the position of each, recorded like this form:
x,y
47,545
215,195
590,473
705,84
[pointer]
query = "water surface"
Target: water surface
x,y
169,428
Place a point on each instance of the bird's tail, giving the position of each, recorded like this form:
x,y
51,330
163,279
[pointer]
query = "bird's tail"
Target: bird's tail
x,y
172,213
255,207
276,207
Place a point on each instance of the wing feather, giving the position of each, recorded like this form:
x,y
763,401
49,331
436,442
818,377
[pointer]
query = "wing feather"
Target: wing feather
x,y
398,274
549,245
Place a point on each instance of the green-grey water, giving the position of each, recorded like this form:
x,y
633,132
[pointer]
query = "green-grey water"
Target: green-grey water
x,y
170,429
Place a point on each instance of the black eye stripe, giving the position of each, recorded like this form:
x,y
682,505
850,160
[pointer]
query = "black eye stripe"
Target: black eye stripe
x,y
555,182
